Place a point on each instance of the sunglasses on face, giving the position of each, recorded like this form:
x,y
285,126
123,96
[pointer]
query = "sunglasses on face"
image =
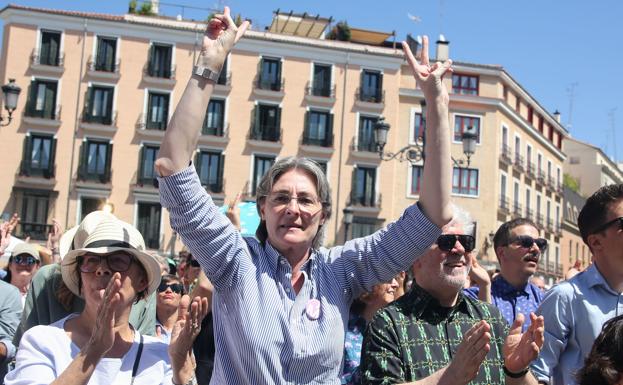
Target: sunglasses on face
x,y
177,288
194,263
446,242
25,260
118,262
527,241
608,224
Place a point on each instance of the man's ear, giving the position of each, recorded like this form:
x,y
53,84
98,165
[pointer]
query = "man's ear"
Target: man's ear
x,y
500,251
594,242
262,206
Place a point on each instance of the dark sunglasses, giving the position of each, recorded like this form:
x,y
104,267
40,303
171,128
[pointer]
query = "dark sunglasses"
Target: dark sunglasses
x,y
194,263
446,242
177,288
527,241
608,224
25,260
118,262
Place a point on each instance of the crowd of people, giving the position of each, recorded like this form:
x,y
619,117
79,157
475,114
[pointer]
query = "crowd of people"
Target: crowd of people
x,y
406,304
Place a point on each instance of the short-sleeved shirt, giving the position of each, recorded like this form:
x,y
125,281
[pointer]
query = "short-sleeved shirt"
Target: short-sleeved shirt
x,y
415,336
511,301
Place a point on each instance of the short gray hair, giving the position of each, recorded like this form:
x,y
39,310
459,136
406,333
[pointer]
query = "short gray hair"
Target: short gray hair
x,y
463,218
282,166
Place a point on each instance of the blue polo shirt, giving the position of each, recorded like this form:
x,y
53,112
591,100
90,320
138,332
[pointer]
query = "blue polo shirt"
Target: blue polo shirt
x,y
512,301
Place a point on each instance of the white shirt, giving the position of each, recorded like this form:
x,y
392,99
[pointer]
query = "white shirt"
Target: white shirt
x,y
46,351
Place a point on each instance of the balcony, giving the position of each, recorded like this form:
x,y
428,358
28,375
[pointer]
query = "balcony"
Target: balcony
x,y
373,100
551,184
36,231
518,164
364,146
26,169
98,123
152,129
159,76
223,84
217,136
531,170
102,70
322,94
517,210
557,229
504,206
506,155
529,214
322,142
550,225
366,200
539,220
148,181
85,175
47,63
36,117
269,88
541,177
265,133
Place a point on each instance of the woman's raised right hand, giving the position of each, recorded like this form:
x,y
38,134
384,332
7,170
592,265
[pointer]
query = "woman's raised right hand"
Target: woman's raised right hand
x,y
103,335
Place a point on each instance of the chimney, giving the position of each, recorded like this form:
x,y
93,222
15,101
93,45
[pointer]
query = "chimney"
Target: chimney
x,y
154,6
557,116
443,49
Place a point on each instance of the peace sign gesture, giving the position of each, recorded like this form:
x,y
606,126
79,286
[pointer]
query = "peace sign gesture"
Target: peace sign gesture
x,y
428,76
219,38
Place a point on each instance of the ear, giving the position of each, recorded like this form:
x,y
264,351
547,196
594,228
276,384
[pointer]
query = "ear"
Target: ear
x,y
262,208
500,251
594,242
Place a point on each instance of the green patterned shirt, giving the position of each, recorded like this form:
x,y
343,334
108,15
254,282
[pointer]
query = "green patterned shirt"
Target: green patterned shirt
x,y
415,336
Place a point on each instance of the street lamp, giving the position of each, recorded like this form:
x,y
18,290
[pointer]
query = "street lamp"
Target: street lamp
x,y
11,93
348,219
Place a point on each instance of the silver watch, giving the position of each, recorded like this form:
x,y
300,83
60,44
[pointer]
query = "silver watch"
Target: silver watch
x,y
192,381
206,73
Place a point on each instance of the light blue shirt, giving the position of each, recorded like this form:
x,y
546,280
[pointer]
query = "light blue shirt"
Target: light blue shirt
x,y
574,312
262,332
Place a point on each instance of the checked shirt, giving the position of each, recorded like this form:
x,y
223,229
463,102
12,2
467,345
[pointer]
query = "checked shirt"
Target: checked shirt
x,y
415,336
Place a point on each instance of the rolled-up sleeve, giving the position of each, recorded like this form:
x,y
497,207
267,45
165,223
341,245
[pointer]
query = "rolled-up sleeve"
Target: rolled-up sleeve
x,y
214,241
365,262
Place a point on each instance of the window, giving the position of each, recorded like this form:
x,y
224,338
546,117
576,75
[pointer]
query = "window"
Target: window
x,y
318,128
517,104
98,108
528,197
516,196
517,147
418,127
461,123
530,114
323,165
371,86
363,226
260,166
539,216
157,111
540,123
88,205
502,185
42,99
464,84
321,84
106,57
364,186
267,124
160,57
465,181
38,157
95,161
270,74
149,223
146,171
215,118
549,169
504,136
365,139
210,169
528,153
50,50
34,215
416,179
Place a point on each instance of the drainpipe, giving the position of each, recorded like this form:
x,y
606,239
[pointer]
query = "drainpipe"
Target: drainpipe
x,y
341,150
77,124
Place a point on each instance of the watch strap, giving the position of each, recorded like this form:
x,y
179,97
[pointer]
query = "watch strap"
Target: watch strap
x,y
206,73
513,374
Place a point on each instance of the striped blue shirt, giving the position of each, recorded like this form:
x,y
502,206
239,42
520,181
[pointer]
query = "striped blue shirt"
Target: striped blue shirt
x,y
262,332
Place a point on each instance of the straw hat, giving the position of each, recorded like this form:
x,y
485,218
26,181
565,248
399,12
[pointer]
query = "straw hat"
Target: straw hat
x,y
107,236
72,239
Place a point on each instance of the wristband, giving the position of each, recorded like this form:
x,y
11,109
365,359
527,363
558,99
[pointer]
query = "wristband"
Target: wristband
x,y
513,374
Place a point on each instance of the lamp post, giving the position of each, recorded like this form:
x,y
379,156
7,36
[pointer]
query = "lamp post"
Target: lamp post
x,y
348,219
11,93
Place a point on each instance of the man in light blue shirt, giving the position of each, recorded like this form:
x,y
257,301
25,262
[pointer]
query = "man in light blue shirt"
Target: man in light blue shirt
x,y
575,310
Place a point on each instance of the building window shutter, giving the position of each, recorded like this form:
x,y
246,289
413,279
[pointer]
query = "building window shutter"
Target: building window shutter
x,y
329,131
52,161
107,169
83,164
27,155
353,187
141,166
221,169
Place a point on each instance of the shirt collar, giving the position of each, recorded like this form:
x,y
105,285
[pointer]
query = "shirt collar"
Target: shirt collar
x,y
424,305
503,287
273,257
592,276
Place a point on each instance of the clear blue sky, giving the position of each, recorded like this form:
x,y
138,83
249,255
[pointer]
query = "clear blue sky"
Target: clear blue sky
x,y
549,47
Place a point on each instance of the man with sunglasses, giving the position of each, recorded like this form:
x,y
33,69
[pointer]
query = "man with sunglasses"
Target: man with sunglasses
x,y
437,335
170,292
518,247
575,310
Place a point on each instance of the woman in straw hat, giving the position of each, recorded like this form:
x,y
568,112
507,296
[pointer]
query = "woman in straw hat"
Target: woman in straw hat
x,y
110,270
281,302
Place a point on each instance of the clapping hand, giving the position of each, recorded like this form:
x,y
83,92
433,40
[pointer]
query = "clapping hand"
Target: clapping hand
x,y
471,352
103,335
521,349
187,328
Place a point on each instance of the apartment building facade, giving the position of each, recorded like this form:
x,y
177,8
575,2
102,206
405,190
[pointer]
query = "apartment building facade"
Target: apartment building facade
x,y
101,89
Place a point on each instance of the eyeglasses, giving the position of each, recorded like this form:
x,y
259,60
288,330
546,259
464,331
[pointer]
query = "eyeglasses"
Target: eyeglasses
x,y
177,288
608,224
306,203
446,242
194,263
25,260
527,241
117,262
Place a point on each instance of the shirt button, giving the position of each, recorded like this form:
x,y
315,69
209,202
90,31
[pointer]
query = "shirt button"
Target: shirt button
x,y
287,289
282,262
